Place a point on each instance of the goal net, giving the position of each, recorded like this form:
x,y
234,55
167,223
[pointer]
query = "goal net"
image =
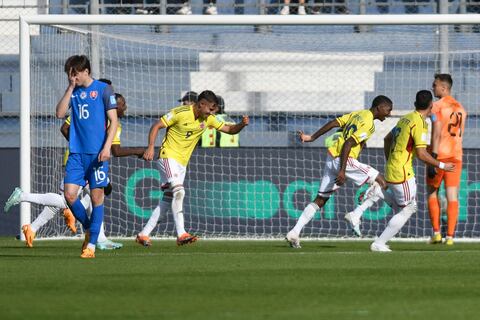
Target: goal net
x,y
286,78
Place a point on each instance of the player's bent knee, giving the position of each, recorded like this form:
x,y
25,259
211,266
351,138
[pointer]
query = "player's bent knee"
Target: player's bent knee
x,y
178,193
410,208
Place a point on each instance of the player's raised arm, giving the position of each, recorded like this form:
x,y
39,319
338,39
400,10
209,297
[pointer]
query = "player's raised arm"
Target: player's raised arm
x,y
235,128
327,127
152,136
62,105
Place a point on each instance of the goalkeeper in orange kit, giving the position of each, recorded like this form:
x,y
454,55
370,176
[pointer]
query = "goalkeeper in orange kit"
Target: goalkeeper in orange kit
x,y
448,125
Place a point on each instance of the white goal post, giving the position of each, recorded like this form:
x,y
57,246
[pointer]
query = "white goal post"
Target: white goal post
x,y
67,21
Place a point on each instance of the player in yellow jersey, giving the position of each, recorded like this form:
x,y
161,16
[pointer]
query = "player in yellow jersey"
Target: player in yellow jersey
x,y
342,163
406,140
185,125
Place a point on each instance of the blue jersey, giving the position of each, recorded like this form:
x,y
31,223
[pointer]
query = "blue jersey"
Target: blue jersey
x,y
88,129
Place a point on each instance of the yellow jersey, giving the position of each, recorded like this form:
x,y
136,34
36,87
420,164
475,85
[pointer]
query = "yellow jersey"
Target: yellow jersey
x,y
358,125
116,140
410,132
183,133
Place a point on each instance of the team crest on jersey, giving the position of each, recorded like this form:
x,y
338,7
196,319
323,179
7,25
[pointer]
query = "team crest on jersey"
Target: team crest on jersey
x,y
93,94
202,125
83,95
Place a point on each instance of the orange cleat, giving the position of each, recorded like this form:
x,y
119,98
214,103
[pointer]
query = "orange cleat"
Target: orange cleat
x,y
69,220
186,238
87,253
143,240
86,240
29,235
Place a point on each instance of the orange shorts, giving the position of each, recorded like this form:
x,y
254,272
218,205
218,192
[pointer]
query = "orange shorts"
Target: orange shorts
x,y
452,179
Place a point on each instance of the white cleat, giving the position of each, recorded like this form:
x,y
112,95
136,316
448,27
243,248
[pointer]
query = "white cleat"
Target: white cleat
x,y
293,240
378,247
109,245
301,10
354,224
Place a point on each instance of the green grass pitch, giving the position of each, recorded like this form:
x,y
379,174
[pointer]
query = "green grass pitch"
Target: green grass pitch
x,y
240,280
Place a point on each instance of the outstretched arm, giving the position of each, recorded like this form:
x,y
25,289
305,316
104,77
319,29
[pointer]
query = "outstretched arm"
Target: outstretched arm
x,y
119,151
152,136
236,128
347,146
327,127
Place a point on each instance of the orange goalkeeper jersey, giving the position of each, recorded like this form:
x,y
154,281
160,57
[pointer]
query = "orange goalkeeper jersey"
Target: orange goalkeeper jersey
x,y
452,116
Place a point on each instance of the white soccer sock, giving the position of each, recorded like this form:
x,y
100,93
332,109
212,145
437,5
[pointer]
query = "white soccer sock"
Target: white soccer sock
x,y
177,209
394,225
46,215
306,216
46,199
152,222
101,235
360,210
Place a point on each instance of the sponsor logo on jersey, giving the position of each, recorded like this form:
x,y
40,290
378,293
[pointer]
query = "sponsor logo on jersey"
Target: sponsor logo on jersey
x,y
83,95
93,94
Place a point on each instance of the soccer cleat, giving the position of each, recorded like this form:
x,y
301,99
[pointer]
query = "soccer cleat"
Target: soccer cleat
x,y
86,240
185,9
13,200
186,238
69,220
436,238
109,245
301,10
378,247
449,241
87,253
285,11
354,224
143,240
29,235
293,240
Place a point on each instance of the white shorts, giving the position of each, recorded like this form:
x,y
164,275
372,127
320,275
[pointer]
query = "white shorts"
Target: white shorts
x,y
355,171
403,193
172,173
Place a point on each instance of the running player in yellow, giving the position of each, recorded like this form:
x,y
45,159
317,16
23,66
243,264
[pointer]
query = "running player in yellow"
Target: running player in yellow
x,y
406,140
342,163
185,125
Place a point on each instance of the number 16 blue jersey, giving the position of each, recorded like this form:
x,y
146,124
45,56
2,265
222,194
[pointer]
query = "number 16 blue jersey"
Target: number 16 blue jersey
x,y
88,129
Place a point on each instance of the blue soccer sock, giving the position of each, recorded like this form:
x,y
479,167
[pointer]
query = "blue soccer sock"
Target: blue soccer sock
x,y
80,213
96,223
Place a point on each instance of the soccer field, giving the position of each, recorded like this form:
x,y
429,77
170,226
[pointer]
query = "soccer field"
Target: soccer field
x,y
240,280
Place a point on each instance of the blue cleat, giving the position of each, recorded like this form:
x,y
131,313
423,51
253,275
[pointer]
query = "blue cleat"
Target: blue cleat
x,y
13,200
109,245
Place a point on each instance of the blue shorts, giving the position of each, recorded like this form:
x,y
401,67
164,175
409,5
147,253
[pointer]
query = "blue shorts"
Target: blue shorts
x,y
82,167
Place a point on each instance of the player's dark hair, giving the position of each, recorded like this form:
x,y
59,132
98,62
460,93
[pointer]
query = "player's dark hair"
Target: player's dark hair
x,y
107,81
209,96
446,78
423,99
77,63
119,96
381,100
